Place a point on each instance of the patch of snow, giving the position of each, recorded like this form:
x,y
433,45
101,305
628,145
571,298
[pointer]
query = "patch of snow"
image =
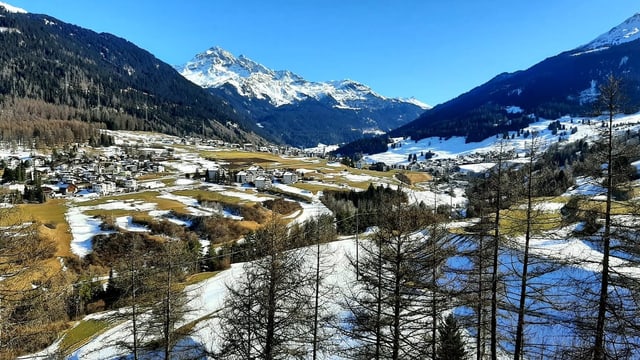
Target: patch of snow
x,y
151,185
417,102
126,223
184,182
13,9
186,200
476,168
514,109
590,51
322,149
9,30
590,94
623,61
544,206
245,196
586,187
357,178
516,92
83,229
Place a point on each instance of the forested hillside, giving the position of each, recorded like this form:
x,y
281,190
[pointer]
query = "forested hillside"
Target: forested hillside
x,y
71,73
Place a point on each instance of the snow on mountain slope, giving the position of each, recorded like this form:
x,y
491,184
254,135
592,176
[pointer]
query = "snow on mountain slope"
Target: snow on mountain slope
x,y
217,67
626,32
574,129
12,9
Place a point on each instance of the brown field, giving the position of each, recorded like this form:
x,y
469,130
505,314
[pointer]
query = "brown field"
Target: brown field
x,y
418,177
54,226
146,196
314,188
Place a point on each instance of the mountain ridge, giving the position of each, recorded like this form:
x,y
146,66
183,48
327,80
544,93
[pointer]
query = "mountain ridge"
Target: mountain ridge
x,y
216,67
286,108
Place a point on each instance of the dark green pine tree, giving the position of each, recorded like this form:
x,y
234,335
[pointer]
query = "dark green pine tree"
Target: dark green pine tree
x,y
450,343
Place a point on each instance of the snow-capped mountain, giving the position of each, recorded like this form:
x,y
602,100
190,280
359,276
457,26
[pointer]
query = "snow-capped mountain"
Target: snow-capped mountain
x,y
287,108
626,32
216,67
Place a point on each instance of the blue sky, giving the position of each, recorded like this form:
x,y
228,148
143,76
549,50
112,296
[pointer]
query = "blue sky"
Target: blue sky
x,y
433,50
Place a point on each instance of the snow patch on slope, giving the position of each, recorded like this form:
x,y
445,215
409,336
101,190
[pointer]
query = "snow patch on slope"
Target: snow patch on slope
x,y
626,32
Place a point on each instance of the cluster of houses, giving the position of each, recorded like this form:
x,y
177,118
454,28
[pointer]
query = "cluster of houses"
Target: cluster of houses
x,y
264,179
81,175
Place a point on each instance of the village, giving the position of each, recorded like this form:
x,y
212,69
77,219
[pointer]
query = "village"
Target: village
x,y
135,164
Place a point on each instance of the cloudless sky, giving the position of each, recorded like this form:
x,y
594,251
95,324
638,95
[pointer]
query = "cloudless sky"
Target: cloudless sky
x,y
433,50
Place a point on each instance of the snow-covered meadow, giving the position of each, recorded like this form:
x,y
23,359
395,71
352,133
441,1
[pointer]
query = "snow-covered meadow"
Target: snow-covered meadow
x,y
585,128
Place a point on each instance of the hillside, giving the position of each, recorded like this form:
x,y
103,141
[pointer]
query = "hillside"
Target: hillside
x,y
72,73
565,84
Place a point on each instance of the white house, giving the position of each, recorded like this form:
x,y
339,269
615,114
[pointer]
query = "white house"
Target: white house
x,y
241,177
104,188
289,178
262,182
131,184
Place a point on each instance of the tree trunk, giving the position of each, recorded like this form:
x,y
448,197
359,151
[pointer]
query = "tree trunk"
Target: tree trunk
x,y
495,270
517,354
396,303
598,350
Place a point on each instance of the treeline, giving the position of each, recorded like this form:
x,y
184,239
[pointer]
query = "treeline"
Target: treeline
x,y
35,122
358,210
367,145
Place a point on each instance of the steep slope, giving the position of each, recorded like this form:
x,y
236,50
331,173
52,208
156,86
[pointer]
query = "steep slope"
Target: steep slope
x,y
292,110
565,84
103,78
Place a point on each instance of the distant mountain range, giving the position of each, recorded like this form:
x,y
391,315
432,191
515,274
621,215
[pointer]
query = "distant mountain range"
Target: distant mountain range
x,y
287,108
70,73
565,84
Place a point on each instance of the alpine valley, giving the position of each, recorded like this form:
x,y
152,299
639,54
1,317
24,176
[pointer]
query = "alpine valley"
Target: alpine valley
x,y
150,211
286,108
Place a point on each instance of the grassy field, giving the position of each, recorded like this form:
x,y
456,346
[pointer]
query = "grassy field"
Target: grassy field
x,y
239,159
153,176
199,277
418,177
314,188
214,197
80,334
145,196
54,224
513,221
